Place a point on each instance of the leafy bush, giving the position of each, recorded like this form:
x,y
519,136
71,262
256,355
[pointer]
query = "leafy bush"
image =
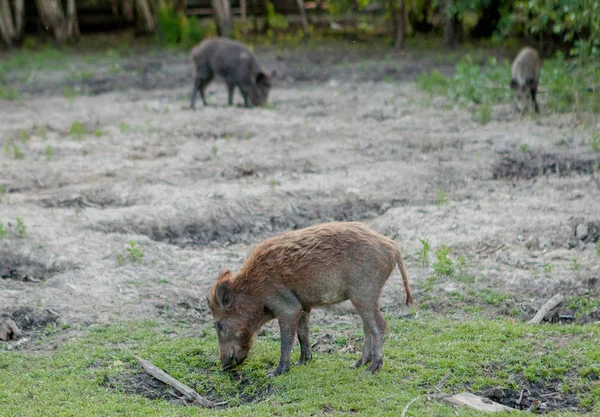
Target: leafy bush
x,y
574,22
565,81
177,29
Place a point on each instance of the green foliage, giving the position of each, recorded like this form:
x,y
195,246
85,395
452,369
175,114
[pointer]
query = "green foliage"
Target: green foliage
x,y
483,113
133,254
444,265
423,254
49,152
17,152
92,372
2,192
3,231
574,22
442,198
78,130
41,132
566,84
124,127
524,147
24,135
595,143
276,20
69,93
492,297
575,266
175,28
10,94
20,229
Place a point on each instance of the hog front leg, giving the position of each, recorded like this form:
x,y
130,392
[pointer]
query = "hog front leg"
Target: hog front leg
x,y
288,310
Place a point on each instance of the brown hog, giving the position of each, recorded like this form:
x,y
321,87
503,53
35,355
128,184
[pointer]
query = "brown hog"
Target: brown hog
x,y
288,274
236,64
525,75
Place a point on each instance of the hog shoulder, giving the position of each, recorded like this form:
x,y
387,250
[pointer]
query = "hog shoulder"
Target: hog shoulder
x,y
526,68
322,264
225,57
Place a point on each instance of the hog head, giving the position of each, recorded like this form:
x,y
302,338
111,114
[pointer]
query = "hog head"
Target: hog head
x,y
234,320
263,87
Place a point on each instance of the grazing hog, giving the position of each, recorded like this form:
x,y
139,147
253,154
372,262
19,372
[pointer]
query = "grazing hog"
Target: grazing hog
x,y
236,64
525,75
290,273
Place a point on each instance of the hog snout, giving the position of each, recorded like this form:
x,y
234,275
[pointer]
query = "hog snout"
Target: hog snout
x,y
232,359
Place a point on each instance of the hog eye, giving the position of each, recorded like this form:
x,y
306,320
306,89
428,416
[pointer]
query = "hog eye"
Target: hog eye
x,y
219,326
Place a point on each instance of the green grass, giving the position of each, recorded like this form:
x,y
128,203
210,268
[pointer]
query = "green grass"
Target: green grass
x,y
88,376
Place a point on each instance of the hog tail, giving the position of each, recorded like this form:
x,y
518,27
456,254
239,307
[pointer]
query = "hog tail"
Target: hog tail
x,y
400,262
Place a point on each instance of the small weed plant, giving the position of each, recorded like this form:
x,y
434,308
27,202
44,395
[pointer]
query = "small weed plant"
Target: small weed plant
x,y
20,229
133,254
442,198
78,130
3,230
444,265
422,255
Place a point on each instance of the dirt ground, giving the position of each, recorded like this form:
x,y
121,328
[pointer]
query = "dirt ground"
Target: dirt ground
x,y
345,138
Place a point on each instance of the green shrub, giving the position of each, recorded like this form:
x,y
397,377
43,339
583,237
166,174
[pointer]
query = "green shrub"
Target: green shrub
x,y
175,28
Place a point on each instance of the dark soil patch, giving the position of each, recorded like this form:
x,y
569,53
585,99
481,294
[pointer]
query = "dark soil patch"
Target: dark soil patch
x,y
30,319
538,397
261,224
527,165
25,268
145,385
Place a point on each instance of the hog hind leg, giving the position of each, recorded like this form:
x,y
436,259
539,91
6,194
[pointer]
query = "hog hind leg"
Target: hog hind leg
x,y
303,337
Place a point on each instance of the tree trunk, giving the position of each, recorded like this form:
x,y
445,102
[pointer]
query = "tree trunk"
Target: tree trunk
x,y
145,15
303,18
394,18
11,21
449,24
401,25
72,22
223,16
255,13
266,21
127,9
243,15
53,17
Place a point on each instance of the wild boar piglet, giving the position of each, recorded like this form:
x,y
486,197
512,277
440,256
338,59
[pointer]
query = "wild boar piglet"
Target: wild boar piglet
x,y
525,76
287,275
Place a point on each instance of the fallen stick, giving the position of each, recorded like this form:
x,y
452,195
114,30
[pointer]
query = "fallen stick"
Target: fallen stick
x,y
429,397
189,393
546,308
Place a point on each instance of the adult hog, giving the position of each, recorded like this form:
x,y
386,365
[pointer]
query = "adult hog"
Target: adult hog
x,y
525,76
236,64
288,274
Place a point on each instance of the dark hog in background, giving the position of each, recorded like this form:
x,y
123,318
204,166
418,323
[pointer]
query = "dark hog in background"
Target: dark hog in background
x,y
290,273
525,77
236,64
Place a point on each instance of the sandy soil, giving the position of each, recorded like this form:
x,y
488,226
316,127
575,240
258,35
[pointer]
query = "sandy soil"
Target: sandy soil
x,y
195,190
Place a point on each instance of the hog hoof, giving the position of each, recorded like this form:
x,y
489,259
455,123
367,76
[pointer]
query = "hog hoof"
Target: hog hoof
x,y
278,371
305,360
375,366
359,363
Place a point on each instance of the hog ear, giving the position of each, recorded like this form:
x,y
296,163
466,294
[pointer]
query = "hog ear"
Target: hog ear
x,y
224,273
261,78
224,295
